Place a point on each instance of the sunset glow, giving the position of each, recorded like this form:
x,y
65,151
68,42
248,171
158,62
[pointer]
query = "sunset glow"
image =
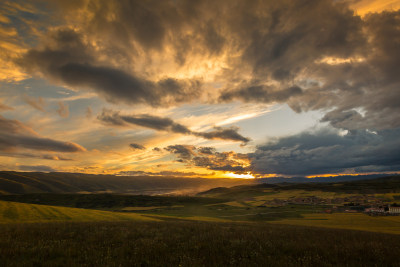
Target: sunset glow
x,y
243,176
221,89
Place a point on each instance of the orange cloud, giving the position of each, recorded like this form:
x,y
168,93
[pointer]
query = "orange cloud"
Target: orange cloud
x,y
364,7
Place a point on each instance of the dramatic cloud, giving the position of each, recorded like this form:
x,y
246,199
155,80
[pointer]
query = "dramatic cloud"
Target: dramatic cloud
x,y
363,90
308,153
166,124
68,59
14,134
314,55
137,146
209,158
326,151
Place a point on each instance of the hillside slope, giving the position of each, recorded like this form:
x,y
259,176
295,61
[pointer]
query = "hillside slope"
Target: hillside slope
x,y
37,182
386,184
12,212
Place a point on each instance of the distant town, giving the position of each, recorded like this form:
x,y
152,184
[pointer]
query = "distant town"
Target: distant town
x,y
368,204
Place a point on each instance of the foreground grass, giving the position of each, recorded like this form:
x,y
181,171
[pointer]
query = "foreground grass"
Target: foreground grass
x,y
12,212
382,224
183,243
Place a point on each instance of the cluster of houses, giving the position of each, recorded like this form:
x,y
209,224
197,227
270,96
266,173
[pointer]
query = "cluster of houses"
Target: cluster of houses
x,y
368,204
383,210
358,200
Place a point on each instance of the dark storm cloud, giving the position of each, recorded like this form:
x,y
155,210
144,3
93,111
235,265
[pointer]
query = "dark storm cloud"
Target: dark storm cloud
x,y
166,124
64,46
14,134
326,151
283,44
308,153
68,59
137,146
259,93
184,152
225,134
364,93
206,150
209,158
144,120
293,34
118,86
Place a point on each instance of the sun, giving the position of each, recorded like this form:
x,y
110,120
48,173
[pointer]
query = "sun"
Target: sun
x,y
242,176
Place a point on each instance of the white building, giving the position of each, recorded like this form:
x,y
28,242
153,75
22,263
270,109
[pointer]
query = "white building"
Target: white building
x,y
394,210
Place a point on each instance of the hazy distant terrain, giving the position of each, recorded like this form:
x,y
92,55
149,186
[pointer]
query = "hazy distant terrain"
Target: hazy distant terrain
x,y
39,182
58,182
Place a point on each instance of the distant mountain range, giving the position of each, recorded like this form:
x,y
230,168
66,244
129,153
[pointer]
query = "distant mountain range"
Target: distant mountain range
x,y
58,182
380,185
330,179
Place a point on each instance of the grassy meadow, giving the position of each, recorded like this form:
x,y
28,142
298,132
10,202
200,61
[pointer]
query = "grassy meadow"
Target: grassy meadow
x,y
12,212
189,243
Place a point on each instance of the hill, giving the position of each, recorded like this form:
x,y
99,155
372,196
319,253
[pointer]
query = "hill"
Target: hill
x,y
387,184
12,212
324,179
57,182
38,182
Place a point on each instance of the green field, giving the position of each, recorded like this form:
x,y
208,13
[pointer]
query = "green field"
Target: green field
x,y
12,212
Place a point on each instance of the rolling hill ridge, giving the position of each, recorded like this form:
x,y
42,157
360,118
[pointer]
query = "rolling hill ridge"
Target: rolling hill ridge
x,y
38,182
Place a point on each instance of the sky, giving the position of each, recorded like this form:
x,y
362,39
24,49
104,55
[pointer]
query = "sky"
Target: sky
x,y
236,88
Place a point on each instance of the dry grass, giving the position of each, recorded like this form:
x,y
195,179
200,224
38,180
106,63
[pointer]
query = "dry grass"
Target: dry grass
x,y
382,224
184,243
12,212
